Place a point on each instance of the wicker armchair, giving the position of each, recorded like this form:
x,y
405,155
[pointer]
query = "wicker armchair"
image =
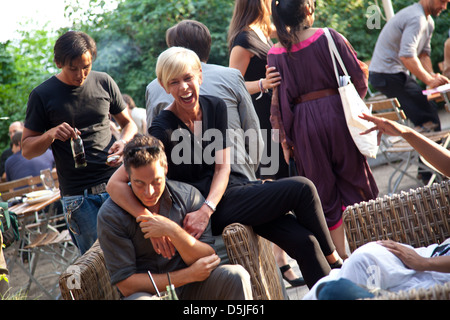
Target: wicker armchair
x,y
255,254
418,217
88,278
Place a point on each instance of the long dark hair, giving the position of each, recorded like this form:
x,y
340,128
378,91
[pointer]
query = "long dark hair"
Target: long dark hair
x,y
288,17
247,12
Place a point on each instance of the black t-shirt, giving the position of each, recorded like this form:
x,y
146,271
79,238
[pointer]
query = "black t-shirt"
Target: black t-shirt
x,y
190,157
257,67
87,108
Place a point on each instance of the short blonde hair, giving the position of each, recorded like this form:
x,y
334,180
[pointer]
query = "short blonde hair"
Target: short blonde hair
x,y
174,62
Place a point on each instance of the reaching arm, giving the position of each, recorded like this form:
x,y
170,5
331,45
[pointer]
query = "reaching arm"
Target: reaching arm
x,y
434,153
129,129
240,59
419,69
196,222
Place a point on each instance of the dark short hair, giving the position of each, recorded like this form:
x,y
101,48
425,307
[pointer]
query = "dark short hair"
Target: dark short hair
x,y
16,139
192,35
72,45
143,150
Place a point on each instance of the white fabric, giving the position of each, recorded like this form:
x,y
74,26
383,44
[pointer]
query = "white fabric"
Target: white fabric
x,y
353,105
373,266
139,116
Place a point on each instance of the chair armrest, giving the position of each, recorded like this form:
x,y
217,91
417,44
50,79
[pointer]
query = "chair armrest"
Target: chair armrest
x,y
255,254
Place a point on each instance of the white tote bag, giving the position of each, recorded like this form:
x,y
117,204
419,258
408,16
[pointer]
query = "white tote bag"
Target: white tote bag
x,y
353,106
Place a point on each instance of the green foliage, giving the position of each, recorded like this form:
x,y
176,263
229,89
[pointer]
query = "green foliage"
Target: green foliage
x,y
350,18
24,65
131,37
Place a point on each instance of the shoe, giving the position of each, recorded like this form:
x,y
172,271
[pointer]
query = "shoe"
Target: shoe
x,y
294,283
337,264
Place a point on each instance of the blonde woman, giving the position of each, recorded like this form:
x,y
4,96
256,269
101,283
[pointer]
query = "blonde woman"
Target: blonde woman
x,y
184,128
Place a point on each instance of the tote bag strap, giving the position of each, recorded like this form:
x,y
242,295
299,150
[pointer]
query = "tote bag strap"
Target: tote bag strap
x,y
335,55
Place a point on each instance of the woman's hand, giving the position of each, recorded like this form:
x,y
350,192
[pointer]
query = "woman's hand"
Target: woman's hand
x,y
385,126
273,78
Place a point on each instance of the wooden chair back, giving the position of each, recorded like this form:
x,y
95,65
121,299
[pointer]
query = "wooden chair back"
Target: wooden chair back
x,y
387,108
16,188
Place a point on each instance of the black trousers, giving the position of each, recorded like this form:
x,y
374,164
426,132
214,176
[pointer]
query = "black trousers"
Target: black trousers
x,y
265,206
408,92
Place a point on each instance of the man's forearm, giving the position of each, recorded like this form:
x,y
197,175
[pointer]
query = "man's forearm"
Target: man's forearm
x,y
189,248
33,144
140,282
414,65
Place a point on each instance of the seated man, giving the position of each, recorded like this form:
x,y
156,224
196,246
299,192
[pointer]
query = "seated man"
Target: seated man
x,y
194,268
16,166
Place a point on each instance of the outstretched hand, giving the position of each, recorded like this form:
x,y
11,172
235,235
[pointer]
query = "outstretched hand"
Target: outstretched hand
x,y
385,126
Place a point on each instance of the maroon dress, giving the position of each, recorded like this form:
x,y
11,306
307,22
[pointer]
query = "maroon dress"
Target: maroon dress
x,y
323,147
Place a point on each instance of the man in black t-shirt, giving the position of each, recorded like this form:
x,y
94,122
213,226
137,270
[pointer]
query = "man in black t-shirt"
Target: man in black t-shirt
x,y
78,101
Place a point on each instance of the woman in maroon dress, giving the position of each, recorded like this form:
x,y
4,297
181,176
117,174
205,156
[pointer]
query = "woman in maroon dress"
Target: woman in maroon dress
x,y
307,109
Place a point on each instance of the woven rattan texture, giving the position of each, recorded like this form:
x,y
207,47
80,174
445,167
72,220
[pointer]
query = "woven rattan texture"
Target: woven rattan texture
x,y
437,292
418,217
88,278
255,254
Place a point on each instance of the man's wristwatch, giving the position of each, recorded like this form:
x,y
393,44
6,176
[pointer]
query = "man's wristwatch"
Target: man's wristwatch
x,y
211,205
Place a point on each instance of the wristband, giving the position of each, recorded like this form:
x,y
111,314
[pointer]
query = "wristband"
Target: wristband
x,y
261,88
211,205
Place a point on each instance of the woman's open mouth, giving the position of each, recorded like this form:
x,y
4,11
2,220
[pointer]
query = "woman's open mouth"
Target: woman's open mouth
x,y
187,98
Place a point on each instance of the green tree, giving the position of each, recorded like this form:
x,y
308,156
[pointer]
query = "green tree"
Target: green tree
x,y
353,20
130,38
24,65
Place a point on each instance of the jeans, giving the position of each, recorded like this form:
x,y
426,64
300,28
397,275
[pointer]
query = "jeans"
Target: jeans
x,y
80,212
